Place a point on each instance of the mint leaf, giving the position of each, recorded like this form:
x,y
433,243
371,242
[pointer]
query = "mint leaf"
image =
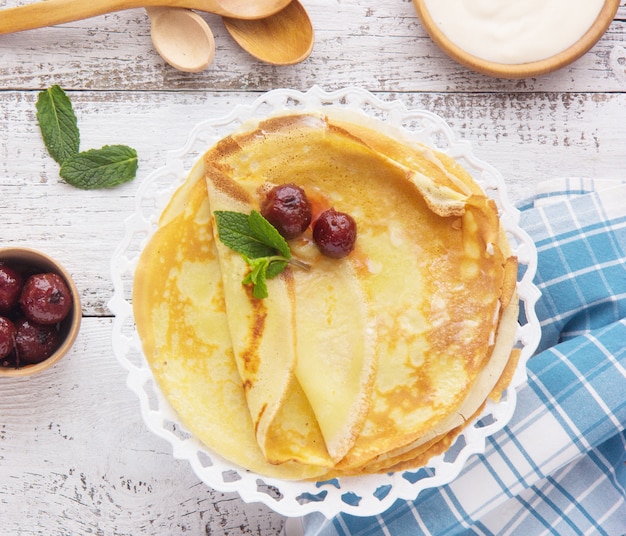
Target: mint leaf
x,y
235,232
268,234
260,244
57,123
263,268
275,267
100,168
257,277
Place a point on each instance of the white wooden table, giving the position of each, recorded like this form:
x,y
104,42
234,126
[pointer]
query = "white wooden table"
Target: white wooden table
x,y
75,456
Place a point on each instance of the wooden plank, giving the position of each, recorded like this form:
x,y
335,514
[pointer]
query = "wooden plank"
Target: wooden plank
x,y
382,47
76,458
529,138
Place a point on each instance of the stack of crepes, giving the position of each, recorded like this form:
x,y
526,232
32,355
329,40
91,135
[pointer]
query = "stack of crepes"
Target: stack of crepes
x,y
370,363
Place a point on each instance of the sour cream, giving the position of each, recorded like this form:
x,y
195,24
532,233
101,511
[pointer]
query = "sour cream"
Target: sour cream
x,y
514,31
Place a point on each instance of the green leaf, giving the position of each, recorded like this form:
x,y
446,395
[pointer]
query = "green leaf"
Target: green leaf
x,y
257,277
100,168
58,123
268,234
235,232
259,291
275,267
260,243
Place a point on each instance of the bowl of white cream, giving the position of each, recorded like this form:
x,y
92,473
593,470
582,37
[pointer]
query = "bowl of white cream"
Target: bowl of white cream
x,y
516,38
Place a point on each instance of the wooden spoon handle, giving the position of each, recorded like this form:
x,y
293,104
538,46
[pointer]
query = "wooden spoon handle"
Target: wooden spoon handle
x,y
51,12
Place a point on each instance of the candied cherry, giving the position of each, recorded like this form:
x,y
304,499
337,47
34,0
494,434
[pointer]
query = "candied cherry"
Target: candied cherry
x,y
9,362
334,233
35,342
7,336
288,209
45,298
10,287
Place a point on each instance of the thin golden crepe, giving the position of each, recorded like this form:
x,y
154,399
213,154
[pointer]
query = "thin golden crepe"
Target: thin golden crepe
x,y
364,364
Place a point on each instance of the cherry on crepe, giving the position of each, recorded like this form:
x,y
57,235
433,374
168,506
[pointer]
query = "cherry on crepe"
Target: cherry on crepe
x,y
334,233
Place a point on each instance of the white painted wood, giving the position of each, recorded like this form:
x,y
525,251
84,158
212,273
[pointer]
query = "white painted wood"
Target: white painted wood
x,y
75,456
380,45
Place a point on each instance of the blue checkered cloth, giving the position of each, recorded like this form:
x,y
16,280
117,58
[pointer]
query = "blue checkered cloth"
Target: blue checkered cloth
x,y
559,467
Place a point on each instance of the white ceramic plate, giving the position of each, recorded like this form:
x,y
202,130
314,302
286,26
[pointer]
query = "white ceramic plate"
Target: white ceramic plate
x,y
364,495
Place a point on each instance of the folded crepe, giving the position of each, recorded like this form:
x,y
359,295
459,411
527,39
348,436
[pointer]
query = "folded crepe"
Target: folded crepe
x,y
369,363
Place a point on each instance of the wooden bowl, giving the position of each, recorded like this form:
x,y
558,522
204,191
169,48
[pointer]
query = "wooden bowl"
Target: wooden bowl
x,y
32,261
519,70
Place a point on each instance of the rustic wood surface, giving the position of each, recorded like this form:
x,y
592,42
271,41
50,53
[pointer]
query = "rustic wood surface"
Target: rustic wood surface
x,y
75,456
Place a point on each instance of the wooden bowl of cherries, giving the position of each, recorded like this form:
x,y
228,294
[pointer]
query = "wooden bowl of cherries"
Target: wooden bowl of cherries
x,y
40,312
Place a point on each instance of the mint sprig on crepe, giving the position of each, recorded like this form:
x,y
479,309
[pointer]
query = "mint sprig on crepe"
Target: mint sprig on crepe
x,y
97,168
260,244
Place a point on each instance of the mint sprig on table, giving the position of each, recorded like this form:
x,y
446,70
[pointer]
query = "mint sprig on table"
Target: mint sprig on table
x,y
260,244
58,124
97,168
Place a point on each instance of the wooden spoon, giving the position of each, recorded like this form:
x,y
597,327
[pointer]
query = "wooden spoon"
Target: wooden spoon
x,y
283,38
182,38
51,12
